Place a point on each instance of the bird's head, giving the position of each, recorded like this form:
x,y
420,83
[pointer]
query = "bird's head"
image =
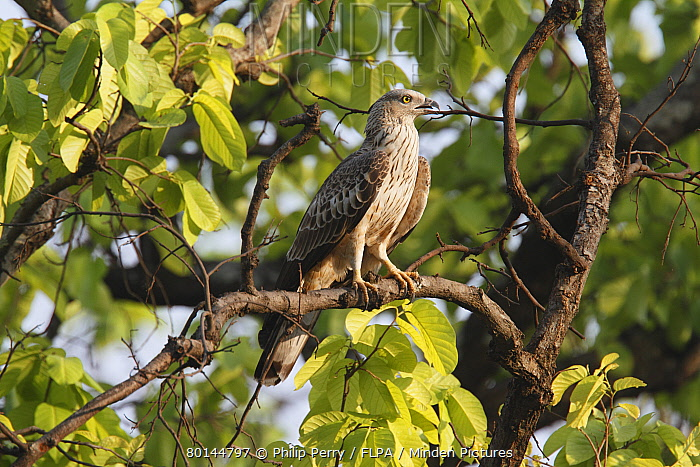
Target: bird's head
x,y
401,104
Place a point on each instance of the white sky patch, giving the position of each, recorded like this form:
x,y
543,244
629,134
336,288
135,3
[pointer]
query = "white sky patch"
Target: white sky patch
x,y
646,22
39,313
225,241
486,89
269,132
432,144
575,49
124,248
10,10
294,405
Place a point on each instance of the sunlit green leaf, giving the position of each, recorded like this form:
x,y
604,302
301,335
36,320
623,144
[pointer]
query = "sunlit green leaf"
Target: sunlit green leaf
x,y
78,63
435,335
628,382
222,138
199,205
587,393
565,379
226,33
65,370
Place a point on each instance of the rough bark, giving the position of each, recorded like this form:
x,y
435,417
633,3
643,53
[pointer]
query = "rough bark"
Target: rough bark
x,y
527,399
45,12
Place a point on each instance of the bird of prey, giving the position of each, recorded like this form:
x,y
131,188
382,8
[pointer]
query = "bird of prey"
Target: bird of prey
x,y
369,204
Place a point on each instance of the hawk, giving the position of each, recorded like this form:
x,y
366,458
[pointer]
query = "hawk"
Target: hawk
x,y
369,204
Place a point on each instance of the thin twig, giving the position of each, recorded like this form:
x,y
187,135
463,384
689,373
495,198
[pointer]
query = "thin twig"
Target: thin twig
x,y
311,120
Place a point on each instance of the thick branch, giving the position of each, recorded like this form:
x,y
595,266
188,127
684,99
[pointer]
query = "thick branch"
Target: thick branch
x,y
526,402
44,12
559,14
260,36
507,338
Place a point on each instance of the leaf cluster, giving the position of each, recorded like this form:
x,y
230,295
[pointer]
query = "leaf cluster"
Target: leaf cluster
x,y
369,393
41,387
599,430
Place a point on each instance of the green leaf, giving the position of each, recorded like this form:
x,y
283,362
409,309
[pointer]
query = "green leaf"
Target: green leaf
x,y
332,346
78,63
134,80
467,414
64,370
327,428
23,365
17,94
60,102
389,345
588,392
73,141
446,434
620,457
226,33
628,382
199,205
606,364
399,399
435,336
40,146
48,416
115,22
166,118
376,396
673,438
428,385
114,41
565,379
222,138
72,146
623,430
638,462
557,440
406,437
631,409
28,126
19,178
381,442
168,196
190,230
357,320
135,174
578,449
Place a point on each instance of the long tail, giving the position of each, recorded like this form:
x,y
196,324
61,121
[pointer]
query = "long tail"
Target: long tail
x,y
282,340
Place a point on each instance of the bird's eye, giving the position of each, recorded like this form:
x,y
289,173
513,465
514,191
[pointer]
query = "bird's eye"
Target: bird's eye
x,y
406,99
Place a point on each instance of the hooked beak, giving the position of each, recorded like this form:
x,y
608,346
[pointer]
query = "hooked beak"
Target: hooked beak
x,y
428,105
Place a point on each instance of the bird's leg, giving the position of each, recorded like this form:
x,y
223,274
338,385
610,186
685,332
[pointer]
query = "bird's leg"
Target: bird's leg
x,y
405,279
361,285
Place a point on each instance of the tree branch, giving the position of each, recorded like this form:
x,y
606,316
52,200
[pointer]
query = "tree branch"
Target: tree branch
x,y
312,125
260,36
526,402
556,16
45,12
507,339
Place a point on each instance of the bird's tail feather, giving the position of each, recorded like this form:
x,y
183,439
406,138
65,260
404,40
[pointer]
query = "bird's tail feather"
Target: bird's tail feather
x,y
280,353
